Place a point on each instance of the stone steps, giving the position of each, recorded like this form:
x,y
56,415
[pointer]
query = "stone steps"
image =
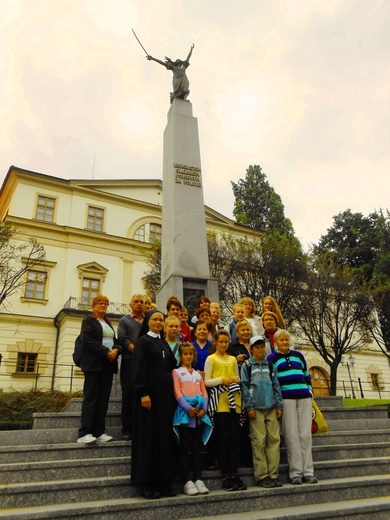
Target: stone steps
x,y
44,473
105,466
104,502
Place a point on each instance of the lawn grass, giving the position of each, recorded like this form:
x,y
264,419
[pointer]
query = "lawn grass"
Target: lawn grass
x,y
361,403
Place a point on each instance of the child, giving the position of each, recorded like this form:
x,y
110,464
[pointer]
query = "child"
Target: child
x,y
221,376
264,404
251,316
238,314
202,344
191,424
172,331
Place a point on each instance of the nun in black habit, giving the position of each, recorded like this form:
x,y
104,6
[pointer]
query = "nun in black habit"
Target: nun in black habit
x,y
153,464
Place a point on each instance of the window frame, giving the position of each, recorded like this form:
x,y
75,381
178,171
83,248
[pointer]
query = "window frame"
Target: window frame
x,y
46,208
30,357
95,218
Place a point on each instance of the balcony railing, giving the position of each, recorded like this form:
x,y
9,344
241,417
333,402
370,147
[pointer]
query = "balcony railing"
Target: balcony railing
x,y
85,304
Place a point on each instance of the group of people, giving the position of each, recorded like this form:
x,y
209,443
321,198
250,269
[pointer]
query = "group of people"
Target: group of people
x,y
188,382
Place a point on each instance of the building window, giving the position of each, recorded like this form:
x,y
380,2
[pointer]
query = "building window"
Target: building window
x,y
148,233
154,232
90,289
140,234
26,363
45,208
95,218
36,285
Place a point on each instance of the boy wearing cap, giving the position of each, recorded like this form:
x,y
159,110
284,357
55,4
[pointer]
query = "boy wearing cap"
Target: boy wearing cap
x,y
264,404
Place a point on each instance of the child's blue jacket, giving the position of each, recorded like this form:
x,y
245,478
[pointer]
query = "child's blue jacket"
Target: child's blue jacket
x,y
262,391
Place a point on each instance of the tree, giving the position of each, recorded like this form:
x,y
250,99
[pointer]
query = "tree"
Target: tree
x,y
153,276
363,245
258,206
245,267
17,257
332,312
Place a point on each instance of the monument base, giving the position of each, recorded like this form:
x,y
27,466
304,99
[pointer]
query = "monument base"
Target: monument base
x,y
187,290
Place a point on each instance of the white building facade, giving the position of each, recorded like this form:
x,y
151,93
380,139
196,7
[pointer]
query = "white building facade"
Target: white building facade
x,y
96,234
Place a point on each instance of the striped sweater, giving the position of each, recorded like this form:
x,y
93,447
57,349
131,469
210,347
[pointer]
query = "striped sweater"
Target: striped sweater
x,y
292,373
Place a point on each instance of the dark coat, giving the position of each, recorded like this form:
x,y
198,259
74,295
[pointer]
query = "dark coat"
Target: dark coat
x,y
153,444
93,352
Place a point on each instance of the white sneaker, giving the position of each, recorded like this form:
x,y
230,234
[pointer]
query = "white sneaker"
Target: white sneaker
x,y
199,484
87,439
190,488
104,438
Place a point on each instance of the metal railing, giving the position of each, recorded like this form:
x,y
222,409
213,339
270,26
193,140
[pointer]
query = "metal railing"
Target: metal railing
x,y
41,376
85,304
67,374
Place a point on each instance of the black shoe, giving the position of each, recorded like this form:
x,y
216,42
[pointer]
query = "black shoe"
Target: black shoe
x,y
166,490
228,484
240,485
296,481
266,483
310,479
276,482
150,492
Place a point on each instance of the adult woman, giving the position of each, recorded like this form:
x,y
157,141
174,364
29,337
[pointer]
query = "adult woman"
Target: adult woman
x,y
295,385
240,348
251,316
99,353
153,446
180,81
269,304
269,320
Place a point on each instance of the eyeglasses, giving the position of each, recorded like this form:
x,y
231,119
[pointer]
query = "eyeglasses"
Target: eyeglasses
x,y
102,303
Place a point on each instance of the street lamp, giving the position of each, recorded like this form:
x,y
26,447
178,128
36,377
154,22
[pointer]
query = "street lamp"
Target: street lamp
x,y
350,363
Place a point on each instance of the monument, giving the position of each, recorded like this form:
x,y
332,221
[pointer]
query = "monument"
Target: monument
x,y
184,259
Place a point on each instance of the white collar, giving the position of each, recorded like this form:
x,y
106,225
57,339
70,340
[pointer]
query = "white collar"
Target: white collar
x,y
153,334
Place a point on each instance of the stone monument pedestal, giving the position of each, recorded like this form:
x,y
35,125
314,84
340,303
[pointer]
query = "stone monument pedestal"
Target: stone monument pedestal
x,y
184,258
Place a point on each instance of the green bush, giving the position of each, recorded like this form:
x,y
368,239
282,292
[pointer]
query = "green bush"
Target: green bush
x,y
17,407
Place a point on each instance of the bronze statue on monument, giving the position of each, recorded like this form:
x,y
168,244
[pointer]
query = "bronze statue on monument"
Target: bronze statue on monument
x,y
178,67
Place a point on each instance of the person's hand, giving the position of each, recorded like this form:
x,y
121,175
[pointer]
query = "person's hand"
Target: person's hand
x,y
279,414
201,413
241,358
252,414
146,402
193,412
226,381
112,354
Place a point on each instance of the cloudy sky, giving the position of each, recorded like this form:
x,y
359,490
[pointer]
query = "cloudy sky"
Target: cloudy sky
x,y
299,87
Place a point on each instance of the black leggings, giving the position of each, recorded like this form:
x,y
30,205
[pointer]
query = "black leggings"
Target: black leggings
x,y
190,441
227,429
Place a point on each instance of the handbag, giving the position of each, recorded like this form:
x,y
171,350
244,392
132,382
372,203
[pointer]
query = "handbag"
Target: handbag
x,y
319,424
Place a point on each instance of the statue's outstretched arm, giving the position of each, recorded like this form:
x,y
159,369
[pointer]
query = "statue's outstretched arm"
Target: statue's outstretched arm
x,y
190,53
150,58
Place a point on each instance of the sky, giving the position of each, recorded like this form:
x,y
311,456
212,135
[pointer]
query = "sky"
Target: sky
x,y
299,87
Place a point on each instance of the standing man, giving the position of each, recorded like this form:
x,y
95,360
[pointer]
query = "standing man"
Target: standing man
x,y
128,329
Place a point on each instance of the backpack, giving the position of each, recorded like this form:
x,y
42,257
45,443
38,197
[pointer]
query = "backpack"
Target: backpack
x,y
248,365
77,352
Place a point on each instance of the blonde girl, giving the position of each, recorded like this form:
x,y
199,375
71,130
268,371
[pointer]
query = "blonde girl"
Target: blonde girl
x,y
191,424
